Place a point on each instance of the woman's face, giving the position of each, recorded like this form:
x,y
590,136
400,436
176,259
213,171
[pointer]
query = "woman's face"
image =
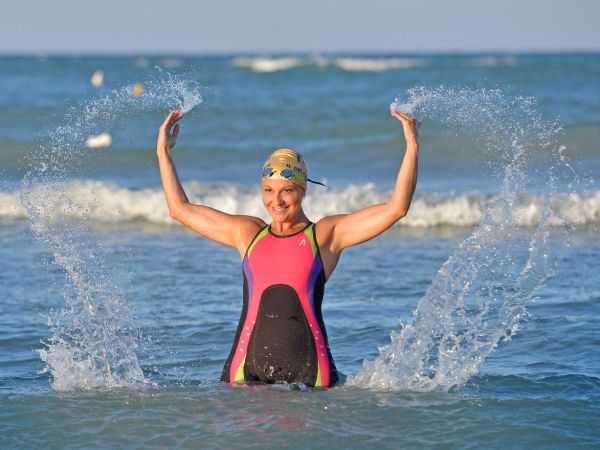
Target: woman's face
x,y
282,198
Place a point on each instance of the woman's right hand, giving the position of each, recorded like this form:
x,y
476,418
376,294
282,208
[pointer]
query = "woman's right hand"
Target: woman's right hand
x,y
166,138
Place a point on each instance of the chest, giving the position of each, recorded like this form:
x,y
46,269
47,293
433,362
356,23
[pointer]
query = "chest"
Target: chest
x,y
290,260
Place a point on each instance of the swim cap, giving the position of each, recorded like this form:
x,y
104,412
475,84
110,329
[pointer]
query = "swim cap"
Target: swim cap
x,y
283,159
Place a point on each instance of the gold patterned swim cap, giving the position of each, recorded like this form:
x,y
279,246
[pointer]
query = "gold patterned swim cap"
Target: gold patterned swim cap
x,y
286,159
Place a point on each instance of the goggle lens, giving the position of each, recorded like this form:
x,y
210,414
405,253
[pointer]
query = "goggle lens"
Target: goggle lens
x,y
268,173
287,174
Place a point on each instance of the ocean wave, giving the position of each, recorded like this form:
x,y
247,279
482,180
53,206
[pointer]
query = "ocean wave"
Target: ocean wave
x,y
376,64
266,64
110,203
493,61
259,64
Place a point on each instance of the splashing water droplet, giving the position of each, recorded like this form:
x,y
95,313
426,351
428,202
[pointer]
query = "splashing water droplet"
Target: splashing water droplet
x,y
94,335
478,296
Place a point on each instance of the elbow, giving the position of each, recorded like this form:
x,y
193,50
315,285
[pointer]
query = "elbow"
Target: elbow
x,y
402,208
401,214
395,212
176,212
402,211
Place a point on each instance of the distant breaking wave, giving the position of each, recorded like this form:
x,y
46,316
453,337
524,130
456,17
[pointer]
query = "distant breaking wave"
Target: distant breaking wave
x,y
266,64
106,202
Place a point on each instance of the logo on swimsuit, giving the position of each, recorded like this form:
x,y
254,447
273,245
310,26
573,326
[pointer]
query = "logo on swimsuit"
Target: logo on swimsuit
x,y
303,242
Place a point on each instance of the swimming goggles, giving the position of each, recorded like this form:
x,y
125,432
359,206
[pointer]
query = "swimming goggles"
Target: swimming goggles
x,y
286,174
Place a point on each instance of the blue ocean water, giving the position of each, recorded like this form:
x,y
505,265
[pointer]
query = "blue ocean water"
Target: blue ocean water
x,y
116,322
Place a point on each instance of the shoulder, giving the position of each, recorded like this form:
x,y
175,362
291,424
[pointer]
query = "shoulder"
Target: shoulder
x,y
325,229
251,221
329,222
248,228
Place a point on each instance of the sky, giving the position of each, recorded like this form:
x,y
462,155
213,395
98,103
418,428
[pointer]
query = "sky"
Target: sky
x,y
300,26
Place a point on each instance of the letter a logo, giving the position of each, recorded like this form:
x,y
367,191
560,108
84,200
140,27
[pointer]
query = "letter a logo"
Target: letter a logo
x,y
303,242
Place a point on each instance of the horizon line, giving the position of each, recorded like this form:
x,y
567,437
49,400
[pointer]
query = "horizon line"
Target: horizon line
x,y
280,53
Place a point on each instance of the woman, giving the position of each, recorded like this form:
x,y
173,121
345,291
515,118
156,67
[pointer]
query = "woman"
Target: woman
x,y
281,335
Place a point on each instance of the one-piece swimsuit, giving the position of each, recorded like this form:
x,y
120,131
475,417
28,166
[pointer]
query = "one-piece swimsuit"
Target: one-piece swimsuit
x,y
281,336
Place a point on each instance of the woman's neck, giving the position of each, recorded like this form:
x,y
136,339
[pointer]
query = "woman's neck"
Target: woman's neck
x,y
287,228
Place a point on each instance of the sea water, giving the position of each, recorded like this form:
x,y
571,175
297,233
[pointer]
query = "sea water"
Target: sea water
x,y
116,321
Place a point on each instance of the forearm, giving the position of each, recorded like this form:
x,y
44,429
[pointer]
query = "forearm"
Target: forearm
x,y
174,193
406,182
360,226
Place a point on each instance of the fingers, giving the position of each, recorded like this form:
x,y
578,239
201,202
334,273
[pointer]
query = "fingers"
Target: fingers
x,y
411,124
400,114
405,117
176,131
172,119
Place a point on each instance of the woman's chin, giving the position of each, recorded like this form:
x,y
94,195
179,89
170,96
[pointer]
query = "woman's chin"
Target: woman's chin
x,y
280,215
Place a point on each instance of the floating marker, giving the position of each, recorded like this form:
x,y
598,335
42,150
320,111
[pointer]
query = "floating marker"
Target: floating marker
x,y
97,78
137,89
99,141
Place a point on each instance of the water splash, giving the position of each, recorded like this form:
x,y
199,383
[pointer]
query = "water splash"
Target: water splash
x,y
478,296
94,336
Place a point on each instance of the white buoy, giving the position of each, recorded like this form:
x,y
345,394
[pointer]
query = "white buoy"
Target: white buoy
x,y
99,141
97,78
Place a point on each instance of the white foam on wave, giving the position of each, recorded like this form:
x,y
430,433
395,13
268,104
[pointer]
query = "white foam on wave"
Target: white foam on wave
x,y
351,64
106,202
263,64
376,64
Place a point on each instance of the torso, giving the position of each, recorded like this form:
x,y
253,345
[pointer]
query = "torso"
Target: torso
x,y
281,335
324,230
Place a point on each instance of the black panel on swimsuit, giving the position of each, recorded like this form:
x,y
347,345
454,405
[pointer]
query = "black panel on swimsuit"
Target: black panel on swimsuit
x,y
282,347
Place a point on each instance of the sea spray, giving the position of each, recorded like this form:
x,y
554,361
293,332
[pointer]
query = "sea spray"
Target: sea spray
x,y
478,297
94,335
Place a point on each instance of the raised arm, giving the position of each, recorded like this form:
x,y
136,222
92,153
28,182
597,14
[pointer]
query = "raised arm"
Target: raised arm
x,y
336,233
232,230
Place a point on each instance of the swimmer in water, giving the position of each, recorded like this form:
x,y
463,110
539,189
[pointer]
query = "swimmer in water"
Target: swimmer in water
x,y
281,336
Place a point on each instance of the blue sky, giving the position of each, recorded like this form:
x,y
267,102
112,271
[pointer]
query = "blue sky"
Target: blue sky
x,y
305,26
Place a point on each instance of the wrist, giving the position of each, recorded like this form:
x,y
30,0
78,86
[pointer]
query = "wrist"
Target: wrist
x,y
412,146
163,150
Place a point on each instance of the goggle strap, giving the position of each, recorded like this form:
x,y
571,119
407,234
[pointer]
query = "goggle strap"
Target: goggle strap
x,y
315,182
